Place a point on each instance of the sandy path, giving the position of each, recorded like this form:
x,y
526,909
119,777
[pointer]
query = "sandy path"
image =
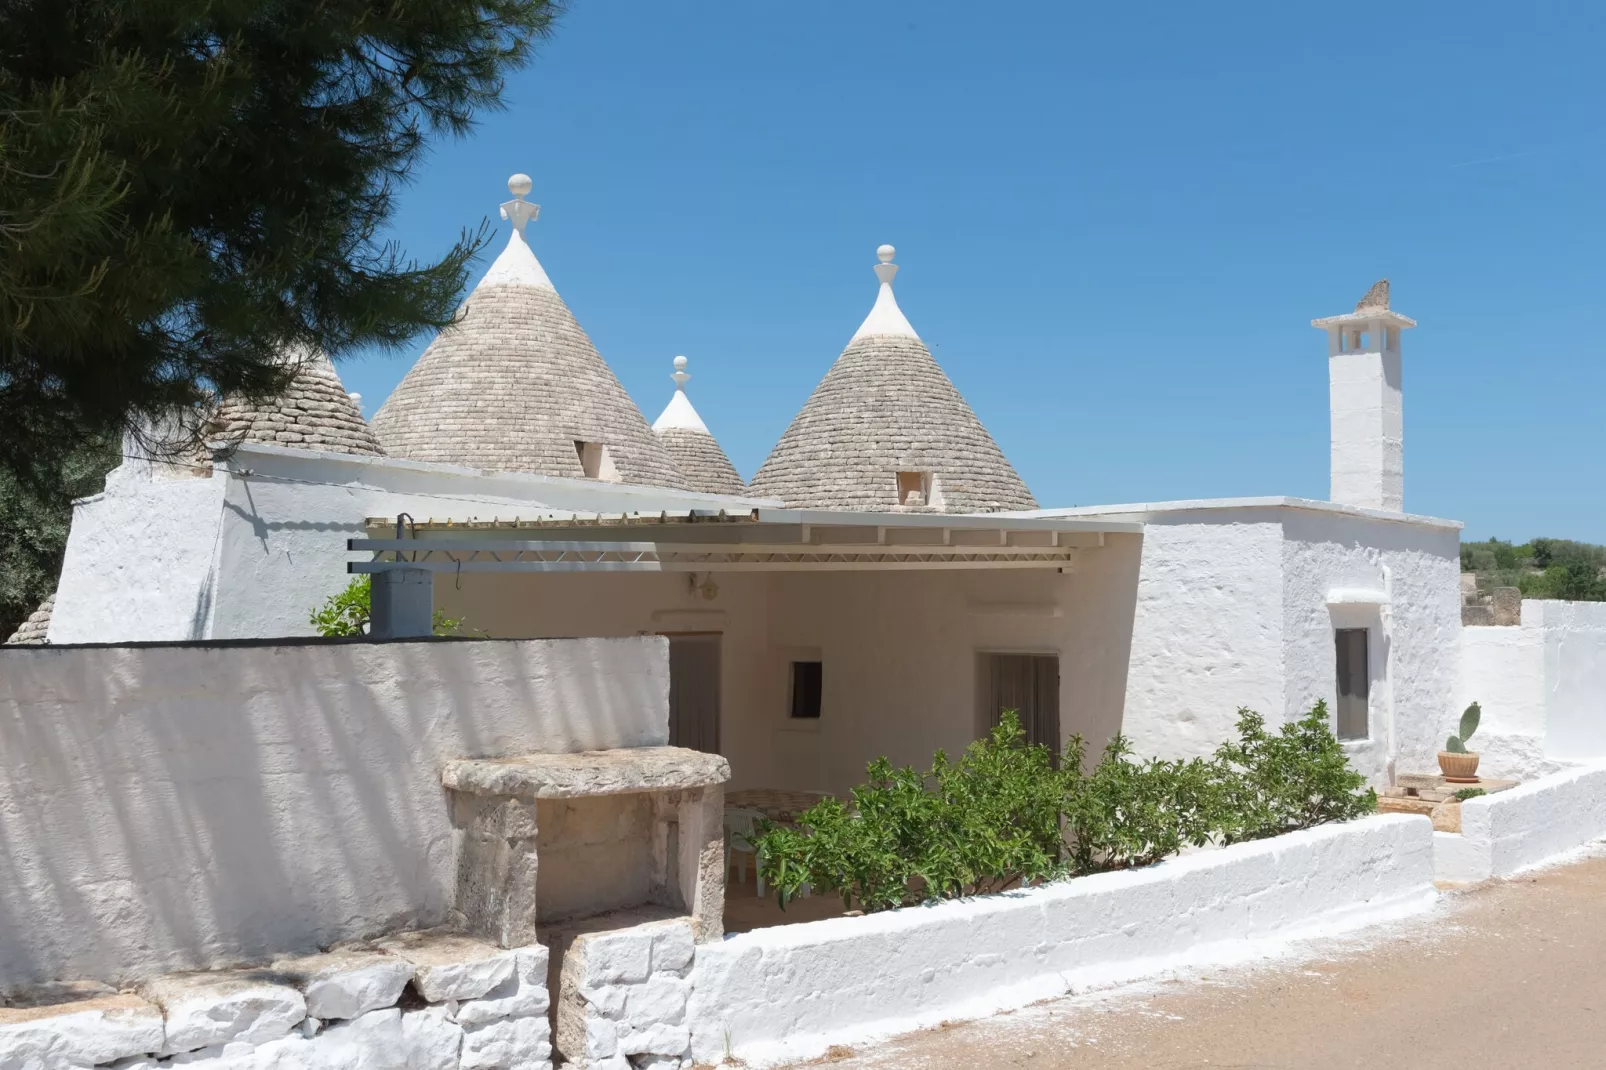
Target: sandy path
x,y
1510,974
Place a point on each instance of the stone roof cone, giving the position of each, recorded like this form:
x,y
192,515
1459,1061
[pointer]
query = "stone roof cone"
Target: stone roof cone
x,y
692,445
36,629
313,413
515,385
886,429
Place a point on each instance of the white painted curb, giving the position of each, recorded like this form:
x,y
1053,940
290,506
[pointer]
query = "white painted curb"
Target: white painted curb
x,y
1530,825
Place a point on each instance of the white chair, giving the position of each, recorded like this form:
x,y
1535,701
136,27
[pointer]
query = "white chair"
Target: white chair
x,y
740,828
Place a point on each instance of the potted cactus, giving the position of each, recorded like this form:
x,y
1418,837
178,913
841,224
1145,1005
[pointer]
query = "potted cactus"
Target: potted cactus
x,y
1459,765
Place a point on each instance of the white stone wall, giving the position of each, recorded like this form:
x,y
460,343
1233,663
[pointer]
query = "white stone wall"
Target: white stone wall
x,y
1542,686
139,560
791,991
1525,826
1368,429
179,807
1415,633
623,997
472,1007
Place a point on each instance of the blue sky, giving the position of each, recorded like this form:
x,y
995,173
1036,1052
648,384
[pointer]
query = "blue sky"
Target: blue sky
x,y
1114,223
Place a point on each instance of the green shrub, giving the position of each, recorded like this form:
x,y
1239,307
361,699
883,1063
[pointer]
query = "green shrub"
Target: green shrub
x,y
347,613
1003,814
1292,779
980,824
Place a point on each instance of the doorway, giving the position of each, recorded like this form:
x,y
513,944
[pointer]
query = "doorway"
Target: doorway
x,y
1029,684
694,666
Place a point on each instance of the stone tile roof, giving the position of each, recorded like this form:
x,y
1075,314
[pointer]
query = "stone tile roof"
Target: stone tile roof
x,y
886,407
36,629
314,413
515,384
692,445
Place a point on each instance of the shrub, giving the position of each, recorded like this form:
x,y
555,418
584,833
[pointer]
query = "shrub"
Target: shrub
x,y
1004,815
1293,779
980,824
347,613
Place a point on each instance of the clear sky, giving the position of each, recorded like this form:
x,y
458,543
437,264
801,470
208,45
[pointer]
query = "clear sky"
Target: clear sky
x,y
1114,222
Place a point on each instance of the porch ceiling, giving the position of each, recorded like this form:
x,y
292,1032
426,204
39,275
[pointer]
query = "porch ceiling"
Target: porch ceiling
x,y
764,540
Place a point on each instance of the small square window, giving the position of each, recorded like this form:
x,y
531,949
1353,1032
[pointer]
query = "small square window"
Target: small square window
x,y
1350,719
917,489
808,679
596,462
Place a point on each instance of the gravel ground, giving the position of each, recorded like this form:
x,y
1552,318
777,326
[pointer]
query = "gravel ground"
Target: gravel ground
x,y
1508,974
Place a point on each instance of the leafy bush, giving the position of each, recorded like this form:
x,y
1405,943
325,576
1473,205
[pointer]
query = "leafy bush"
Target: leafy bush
x,y
1296,778
976,825
1004,815
347,613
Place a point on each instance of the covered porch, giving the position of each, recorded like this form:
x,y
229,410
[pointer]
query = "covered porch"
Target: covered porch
x,y
802,644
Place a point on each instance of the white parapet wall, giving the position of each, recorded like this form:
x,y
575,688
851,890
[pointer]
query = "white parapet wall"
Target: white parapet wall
x,y
1529,825
1542,686
172,807
791,991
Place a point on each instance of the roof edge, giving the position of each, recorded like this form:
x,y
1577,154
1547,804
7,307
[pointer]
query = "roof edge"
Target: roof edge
x,y
1199,505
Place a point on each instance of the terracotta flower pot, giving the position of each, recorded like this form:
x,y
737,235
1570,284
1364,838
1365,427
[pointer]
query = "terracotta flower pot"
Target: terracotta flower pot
x,y
1458,768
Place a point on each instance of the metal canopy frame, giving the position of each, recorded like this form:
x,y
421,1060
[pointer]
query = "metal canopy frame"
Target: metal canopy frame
x,y
765,540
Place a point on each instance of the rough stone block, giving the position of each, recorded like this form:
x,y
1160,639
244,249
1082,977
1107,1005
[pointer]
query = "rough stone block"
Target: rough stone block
x,y
211,1009
432,1040
658,1062
235,1055
656,1040
601,1039
345,984
84,1032
613,958
372,1042
510,1044
449,965
522,995
660,999
673,946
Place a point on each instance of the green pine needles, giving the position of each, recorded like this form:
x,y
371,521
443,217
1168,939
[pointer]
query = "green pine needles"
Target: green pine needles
x,y
1003,815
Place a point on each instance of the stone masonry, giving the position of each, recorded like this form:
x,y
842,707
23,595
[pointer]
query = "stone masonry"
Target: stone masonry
x,y
433,1000
622,998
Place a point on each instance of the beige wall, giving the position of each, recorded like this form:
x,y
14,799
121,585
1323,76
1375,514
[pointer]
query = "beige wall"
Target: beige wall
x,y
899,649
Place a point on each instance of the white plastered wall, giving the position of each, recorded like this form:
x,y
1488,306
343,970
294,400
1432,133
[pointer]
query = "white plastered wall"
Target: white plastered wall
x,y
1542,686
188,806
138,564
1332,563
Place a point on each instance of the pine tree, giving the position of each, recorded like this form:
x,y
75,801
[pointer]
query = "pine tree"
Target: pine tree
x,y
189,186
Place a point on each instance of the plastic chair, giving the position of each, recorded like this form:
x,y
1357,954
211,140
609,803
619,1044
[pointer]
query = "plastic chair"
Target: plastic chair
x,y
740,827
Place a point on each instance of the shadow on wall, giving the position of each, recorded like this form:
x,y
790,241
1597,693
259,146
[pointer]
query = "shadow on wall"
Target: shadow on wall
x,y
184,806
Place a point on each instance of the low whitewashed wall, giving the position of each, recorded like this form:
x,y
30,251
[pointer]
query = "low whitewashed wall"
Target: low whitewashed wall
x,y
193,806
1542,686
793,990
1526,826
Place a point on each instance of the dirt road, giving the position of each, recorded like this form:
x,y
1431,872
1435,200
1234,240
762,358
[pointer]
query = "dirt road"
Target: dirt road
x,y
1510,974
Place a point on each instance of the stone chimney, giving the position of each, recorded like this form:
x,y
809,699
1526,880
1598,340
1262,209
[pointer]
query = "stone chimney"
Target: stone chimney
x,y
1368,426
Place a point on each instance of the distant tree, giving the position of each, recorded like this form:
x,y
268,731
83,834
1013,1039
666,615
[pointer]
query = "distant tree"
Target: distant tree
x,y
189,186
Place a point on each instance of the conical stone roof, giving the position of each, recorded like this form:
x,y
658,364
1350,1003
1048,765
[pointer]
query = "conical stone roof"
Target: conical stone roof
x,y
886,419
313,413
35,630
515,385
692,445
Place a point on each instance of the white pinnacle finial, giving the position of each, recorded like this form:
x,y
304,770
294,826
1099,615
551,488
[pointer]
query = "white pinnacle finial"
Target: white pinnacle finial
x,y
680,375
519,211
886,269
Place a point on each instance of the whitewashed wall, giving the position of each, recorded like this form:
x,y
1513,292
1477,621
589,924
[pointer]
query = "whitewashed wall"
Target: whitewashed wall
x,y
139,560
1542,686
1415,635
251,552
185,806
1527,826
789,992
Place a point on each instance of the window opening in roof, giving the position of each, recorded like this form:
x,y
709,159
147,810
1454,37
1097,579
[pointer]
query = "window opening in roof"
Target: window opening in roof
x,y
596,462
